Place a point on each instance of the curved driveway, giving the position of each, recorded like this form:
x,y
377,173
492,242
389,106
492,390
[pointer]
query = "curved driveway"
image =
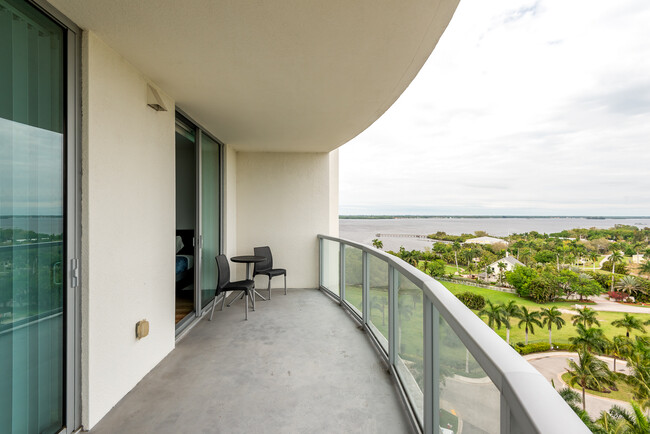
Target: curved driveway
x,y
552,365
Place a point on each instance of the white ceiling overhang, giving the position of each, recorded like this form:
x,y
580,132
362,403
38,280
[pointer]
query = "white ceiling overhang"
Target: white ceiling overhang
x,y
293,75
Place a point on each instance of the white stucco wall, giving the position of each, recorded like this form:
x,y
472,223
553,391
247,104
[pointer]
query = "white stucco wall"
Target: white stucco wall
x,y
334,193
284,200
128,229
230,202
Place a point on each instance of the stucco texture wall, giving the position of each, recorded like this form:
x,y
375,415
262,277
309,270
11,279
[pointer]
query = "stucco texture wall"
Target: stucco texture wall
x,y
284,200
127,228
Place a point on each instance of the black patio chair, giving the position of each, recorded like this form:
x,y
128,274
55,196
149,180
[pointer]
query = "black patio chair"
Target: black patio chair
x,y
224,284
266,267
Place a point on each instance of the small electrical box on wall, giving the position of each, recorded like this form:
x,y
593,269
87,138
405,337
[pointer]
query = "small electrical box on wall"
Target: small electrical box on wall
x,y
141,329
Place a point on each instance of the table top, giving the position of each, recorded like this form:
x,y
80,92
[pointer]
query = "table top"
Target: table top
x,y
247,258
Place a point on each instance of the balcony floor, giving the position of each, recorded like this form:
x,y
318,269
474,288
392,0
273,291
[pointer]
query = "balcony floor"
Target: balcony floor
x,y
299,364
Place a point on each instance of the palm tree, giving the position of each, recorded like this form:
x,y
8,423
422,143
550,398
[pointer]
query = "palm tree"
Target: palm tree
x,y
377,243
615,258
508,311
593,256
467,255
456,248
630,423
586,317
607,424
493,314
618,347
639,363
488,272
630,285
629,323
552,317
502,267
589,372
571,397
588,339
529,319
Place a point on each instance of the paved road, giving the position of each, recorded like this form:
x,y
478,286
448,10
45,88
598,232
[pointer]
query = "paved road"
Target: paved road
x,y
603,304
553,365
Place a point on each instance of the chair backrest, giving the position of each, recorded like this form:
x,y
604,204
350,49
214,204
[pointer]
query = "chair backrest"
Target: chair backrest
x,y
223,269
267,263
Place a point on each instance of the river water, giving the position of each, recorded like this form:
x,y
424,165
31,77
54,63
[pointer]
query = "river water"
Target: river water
x,y
365,230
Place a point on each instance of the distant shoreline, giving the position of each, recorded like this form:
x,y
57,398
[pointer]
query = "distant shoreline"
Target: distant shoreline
x,y
397,216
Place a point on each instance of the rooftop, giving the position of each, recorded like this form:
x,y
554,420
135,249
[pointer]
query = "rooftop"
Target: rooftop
x,y
485,240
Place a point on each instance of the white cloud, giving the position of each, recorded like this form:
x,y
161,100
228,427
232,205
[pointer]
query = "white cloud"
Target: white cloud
x,y
540,107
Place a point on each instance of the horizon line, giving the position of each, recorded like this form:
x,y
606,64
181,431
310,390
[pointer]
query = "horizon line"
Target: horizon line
x,y
496,216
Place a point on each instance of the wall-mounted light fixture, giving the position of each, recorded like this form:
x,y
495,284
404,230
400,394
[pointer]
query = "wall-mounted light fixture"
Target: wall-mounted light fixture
x,y
154,100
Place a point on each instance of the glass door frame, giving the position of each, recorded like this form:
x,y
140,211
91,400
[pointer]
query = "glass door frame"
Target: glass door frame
x,y
72,218
200,130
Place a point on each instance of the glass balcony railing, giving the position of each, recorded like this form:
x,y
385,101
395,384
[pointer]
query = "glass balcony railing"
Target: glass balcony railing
x,y
453,372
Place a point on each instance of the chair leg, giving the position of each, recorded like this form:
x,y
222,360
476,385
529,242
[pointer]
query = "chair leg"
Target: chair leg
x,y
269,287
285,284
252,296
223,300
246,317
214,304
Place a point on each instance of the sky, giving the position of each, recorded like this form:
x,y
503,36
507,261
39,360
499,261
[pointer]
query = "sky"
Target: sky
x,y
523,108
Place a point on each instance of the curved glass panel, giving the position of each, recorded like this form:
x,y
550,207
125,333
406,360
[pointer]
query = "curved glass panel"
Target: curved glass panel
x,y
466,392
354,278
378,299
410,341
330,273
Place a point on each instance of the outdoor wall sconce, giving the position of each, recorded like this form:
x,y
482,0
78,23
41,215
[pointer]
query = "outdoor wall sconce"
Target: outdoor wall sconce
x,y
154,100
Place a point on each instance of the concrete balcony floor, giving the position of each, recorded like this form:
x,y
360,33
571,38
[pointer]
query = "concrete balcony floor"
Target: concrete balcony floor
x,y
298,365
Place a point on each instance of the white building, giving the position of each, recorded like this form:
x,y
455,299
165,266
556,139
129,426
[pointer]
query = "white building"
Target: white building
x,y
485,240
510,262
124,124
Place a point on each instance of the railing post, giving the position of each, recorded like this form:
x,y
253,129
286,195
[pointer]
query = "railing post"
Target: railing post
x,y
392,315
504,421
429,385
320,261
342,272
435,364
365,287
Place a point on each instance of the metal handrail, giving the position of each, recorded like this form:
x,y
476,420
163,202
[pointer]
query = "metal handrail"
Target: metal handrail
x,y
528,401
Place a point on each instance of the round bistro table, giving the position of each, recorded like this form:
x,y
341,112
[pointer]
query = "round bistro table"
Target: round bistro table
x,y
248,260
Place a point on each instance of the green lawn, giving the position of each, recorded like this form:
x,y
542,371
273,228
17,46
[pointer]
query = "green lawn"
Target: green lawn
x,y
499,296
451,269
541,335
625,392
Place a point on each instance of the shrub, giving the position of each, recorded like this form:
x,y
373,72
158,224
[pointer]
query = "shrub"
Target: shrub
x,y
562,347
604,280
617,296
538,347
436,268
620,267
471,300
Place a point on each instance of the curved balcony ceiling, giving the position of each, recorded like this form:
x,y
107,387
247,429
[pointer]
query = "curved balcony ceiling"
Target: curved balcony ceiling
x,y
293,75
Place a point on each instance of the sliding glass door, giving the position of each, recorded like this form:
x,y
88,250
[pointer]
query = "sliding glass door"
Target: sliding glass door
x,y
32,220
210,216
198,217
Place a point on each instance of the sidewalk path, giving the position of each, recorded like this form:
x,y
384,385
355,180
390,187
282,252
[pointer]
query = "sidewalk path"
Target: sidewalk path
x,y
604,305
